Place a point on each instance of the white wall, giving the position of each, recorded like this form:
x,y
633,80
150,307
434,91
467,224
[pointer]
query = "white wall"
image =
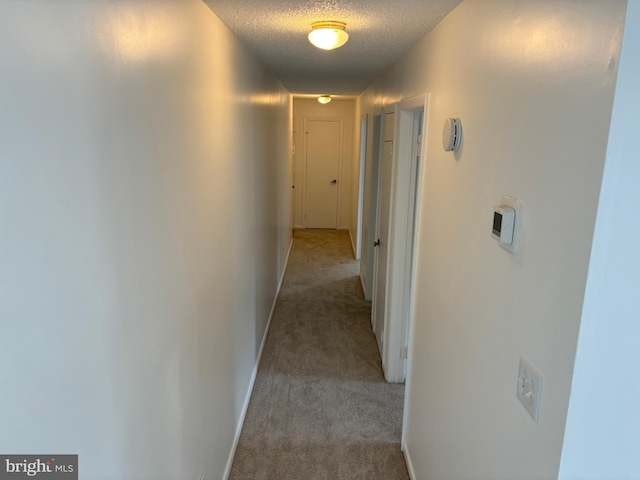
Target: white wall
x,y
533,83
308,108
144,223
601,439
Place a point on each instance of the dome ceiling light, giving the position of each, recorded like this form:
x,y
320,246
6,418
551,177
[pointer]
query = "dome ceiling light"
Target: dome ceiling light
x,y
328,34
324,99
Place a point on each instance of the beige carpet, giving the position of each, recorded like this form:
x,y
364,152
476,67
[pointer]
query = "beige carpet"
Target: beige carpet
x,y
320,407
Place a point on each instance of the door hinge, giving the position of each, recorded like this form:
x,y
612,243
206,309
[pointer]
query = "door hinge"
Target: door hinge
x,y
404,352
417,146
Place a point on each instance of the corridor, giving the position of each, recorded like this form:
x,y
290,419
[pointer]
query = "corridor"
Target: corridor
x,y
320,408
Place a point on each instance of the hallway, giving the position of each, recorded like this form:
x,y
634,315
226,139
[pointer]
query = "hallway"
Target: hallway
x,y
320,408
152,170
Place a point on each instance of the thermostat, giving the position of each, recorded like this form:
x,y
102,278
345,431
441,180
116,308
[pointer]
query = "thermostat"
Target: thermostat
x,y
503,222
508,223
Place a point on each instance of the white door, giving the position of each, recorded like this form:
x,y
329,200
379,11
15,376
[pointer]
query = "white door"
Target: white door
x,y
322,161
367,267
382,229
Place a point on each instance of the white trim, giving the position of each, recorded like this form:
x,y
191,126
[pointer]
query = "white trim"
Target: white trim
x,y
364,288
254,374
399,273
298,227
407,460
416,261
353,244
413,103
389,108
362,160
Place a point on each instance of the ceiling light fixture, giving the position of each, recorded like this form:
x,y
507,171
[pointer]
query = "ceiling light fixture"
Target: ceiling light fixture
x,y
324,99
328,34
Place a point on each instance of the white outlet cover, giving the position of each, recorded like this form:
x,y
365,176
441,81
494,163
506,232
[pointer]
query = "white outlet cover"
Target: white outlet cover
x,y
529,390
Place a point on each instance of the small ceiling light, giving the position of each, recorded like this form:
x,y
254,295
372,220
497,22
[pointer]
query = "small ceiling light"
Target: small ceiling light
x,y
328,35
324,99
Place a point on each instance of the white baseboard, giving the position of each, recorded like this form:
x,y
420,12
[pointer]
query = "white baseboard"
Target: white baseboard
x,y
407,459
364,288
254,374
353,245
298,227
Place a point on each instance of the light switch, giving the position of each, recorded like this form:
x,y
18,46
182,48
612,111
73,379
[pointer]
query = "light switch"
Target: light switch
x,y
529,388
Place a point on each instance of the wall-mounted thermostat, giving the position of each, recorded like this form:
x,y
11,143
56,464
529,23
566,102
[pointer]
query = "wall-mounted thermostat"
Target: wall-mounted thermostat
x,y
451,134
507,223
503,221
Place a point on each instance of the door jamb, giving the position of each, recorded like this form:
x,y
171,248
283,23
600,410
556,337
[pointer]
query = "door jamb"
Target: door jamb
x,y
364,129
399,251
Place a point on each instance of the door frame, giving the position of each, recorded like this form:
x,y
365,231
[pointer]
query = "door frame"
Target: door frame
x,y
304,165
388,109
364,128
403,246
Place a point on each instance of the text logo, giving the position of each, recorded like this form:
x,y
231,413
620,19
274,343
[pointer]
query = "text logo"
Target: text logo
x,y
46,467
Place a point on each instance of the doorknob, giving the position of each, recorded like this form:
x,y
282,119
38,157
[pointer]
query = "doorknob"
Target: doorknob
x,y
376,243
333,182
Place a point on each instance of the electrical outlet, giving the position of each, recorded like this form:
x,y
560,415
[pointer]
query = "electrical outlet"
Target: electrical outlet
x,y
529,388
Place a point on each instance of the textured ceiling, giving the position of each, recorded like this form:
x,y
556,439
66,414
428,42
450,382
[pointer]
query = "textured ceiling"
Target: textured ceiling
x,y
380,32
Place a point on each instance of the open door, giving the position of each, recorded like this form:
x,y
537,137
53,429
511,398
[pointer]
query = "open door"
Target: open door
x,y
381,242
367,265
403,212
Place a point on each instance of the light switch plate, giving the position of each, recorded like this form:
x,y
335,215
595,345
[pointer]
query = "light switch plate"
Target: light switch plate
x,y
529,388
